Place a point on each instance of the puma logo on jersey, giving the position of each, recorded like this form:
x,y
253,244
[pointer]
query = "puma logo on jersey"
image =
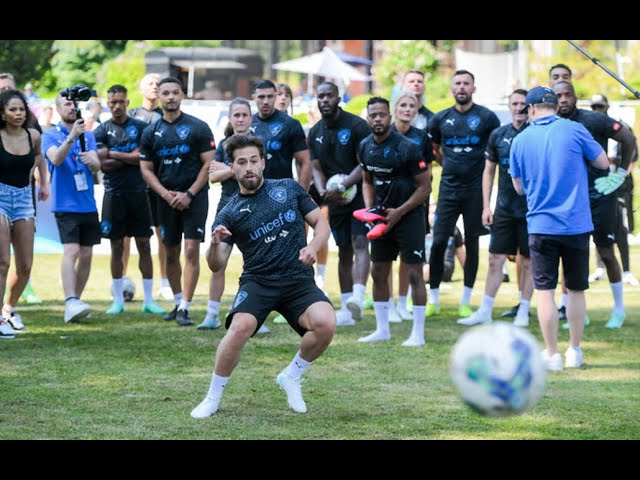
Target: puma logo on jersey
x,y
245,209
507,140
450,121
319,139
158,134
418,253
112,133
252,129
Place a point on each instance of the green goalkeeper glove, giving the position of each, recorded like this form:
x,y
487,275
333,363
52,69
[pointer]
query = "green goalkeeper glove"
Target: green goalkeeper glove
x,y
610,183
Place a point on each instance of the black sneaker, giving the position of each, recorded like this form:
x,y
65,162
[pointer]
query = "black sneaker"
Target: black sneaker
x,y
505,278
182,317
562,313
511,313
171,315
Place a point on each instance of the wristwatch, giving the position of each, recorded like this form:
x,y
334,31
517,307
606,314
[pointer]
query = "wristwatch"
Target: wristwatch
x,y
189,194
68,141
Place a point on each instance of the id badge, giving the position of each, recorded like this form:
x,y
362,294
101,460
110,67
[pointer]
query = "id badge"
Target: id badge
x,y
81,181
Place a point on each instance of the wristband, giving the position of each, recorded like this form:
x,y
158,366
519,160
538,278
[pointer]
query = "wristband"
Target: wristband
x,y
189,194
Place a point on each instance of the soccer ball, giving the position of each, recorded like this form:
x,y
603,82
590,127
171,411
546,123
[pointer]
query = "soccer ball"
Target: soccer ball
x,y
349,193
498,369
128,289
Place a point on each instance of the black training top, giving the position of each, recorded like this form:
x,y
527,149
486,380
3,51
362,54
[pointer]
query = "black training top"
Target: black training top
x,y
268,228
393,164
175,148
122,138
147,116
15,170
463,137
423,118
230,185
498,149
283,136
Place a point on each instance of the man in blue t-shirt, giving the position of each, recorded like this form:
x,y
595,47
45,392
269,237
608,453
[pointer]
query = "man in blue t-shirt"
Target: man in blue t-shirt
x,y
547,164
74,205
266,221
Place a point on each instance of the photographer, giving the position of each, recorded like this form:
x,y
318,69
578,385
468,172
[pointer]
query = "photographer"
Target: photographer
x,y
72,158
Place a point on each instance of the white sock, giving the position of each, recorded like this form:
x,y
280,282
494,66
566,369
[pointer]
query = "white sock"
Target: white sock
x,y
217,385
417,331
147,287
402,301
381,310
434,296
505,269
358,290
487,303
466,296
177,298
7,310
213,307
320,270
618,304
563,300
116,285
184,305
523,309
297,367
343,301
391,304
519,296
164,282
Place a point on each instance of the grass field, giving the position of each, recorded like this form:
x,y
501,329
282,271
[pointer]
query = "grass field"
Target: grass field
x,y
135,376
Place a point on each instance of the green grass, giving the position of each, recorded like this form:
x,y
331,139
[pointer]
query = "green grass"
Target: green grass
x,y
135,376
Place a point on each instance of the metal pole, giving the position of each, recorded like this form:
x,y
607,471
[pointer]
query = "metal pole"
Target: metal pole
x,y
597,62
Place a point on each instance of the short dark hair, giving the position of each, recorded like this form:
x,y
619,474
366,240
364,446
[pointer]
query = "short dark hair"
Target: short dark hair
x,y
5,97
265,84
465,72
242,140
374,100
117,89
519,91
332,85
170,80
561,65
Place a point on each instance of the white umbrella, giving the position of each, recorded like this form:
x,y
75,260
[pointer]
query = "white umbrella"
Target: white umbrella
x,y
326,64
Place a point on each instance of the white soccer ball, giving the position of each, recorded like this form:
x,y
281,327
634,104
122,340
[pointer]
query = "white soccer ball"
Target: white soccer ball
x,y
498,369
350,193
128,289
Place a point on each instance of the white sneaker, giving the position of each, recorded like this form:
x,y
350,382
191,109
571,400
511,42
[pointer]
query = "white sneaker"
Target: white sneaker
x,y
478,317
263,329
14,320
6,330
293,388
165,293
521,321
573,357
394,317
344,319
413,342
319,281
627,277
597,275
76,310
207,407
354,304
375,337
553,363
403,313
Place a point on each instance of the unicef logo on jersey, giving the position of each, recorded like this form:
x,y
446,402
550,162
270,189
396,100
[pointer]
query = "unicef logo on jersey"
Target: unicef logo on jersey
x,y
386,151
132,132
105,227
275,128
184,149
473,121
474,139
240,297
279,194
274,145
183,132
344,135
290,216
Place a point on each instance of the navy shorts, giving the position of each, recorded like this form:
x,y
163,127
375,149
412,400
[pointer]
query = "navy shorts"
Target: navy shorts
x,y
406,238
126,215
290,297
450,208
344,227
509,235
173,223
605,215
546,252
81,228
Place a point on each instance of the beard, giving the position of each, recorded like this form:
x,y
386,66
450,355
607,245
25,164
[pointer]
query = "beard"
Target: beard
x,y
251,184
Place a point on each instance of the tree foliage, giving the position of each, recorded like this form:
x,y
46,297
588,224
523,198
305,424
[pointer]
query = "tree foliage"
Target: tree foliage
x,y
77,61
183,43
27,60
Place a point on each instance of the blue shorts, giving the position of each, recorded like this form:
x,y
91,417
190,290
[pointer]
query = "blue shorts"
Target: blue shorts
x,y
16,203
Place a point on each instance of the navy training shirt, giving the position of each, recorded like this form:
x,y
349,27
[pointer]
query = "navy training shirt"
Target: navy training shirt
x,y
147,116
230,185
268,228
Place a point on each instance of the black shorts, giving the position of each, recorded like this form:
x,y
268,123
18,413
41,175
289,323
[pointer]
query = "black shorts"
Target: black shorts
x,y
289,297
406,238
81,228
344,227
315,195
449,209
173,223
509,235
126,215
154,199
546,252
604,214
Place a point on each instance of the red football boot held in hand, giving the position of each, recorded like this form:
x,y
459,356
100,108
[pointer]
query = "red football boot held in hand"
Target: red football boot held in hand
x,y
375,222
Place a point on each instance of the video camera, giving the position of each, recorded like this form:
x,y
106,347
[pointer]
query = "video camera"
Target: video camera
x,y
78,92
